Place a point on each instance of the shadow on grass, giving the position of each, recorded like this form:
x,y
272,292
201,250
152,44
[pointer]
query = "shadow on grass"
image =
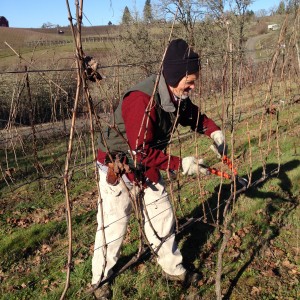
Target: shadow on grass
x,y
198,234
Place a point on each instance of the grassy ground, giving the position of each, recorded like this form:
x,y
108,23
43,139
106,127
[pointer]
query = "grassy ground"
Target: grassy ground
x,y
261,260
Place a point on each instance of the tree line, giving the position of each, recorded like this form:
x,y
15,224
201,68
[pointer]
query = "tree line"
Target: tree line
x,y
203,8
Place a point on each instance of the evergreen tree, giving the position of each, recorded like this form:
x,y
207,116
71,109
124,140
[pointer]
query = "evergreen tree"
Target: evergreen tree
x,y
148,17
127,18
281,8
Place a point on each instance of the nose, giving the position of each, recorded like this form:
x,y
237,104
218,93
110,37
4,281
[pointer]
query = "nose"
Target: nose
x,y
192,86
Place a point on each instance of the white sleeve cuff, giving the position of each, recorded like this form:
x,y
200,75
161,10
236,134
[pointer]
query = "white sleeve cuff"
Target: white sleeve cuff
x,y
218,137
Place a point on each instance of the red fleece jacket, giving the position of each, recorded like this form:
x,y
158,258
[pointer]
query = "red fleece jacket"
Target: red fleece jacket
x,y
133,112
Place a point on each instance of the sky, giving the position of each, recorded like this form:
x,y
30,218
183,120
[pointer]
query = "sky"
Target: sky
x,y
35,13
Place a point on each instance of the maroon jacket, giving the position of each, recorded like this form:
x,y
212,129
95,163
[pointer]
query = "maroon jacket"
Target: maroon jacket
x,y
133,111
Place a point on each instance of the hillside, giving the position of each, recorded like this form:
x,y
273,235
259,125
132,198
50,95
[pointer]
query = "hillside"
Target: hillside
x,y
86,30
19,37
47,45
37,38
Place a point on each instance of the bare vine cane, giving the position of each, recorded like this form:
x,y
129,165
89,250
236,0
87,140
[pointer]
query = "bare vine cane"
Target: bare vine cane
x,y
292,45
134,197
38,166
268,99
277,143
197,148
88,71
4,175
168,167
70,148
11,120
91,113
281,38
173,176
224,104
146,122
137,199
274,62
250,156
219,270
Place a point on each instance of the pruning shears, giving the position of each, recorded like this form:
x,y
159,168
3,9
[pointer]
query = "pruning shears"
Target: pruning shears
x,y
226,161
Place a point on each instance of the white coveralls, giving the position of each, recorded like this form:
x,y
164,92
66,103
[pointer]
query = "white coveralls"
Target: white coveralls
x,y
116,212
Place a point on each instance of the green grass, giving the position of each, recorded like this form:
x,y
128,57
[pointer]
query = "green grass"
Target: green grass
x,y
22,242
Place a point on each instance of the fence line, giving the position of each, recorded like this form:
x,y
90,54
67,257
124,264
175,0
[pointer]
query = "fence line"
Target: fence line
x,y
61,42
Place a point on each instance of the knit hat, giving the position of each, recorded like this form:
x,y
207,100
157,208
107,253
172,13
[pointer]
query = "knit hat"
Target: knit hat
x,y
180,60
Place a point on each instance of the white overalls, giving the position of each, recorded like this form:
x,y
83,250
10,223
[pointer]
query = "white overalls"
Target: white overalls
x,y
116,211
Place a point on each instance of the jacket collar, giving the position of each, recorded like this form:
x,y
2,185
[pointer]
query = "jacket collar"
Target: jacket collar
x,y
165,96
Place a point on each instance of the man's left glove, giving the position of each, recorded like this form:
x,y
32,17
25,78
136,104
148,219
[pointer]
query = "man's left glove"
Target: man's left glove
x,y
219,142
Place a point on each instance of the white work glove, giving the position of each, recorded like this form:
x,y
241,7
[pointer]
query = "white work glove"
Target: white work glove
x,y
219,142
191,165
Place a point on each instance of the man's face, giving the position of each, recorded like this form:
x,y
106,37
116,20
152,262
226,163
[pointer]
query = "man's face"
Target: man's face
x,y
184,86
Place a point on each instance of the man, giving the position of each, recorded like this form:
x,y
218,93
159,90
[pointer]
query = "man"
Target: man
x,y
147,124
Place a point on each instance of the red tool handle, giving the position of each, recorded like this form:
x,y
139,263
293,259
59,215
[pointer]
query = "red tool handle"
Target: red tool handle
x,y
219,173
228,162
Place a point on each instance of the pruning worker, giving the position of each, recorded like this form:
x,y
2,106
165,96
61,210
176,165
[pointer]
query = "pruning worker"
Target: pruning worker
x,y
147,126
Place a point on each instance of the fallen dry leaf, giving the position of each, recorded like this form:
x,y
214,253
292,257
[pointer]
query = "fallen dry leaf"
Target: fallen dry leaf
x,y
268,273
46,249
255,291
78,261
278,252
286,263
141,267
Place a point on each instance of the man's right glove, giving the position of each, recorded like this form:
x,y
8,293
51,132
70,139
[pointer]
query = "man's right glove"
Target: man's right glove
x,y
191,165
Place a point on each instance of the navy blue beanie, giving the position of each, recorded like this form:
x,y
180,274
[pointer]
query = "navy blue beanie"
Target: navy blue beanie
x,y
180,60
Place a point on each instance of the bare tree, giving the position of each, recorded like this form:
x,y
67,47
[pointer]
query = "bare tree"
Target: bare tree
x,y
261,13
216,8
236,18
188,13
240,10
141,47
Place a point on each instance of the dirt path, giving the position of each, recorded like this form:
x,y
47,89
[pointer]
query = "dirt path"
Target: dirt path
x,y
251,47
15,135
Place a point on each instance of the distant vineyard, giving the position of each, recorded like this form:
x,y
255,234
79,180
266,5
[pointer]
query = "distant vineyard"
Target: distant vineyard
x,y
32,37
90,39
